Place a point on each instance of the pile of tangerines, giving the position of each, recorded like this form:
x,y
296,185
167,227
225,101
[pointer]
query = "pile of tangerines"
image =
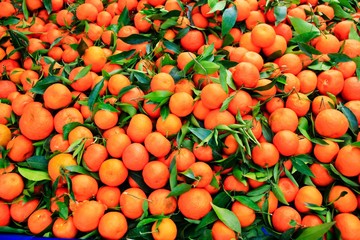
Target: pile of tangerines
x,y
180,119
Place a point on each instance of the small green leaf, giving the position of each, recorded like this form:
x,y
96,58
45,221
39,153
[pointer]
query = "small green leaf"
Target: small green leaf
x,y
33,175
308,50
9,21
124,18
339,57
247,202
346,180
227,217
121,56
189,174
228,20
134,39
63,210
149,220
339,11
172,46
353,123
94,94
278,193
43,84
77,169
218,6
299,163
7,229
353,34
82,72
173,174
280,13
48,6
107,107
35,162
301,26
226,103
304,37
168,23
206,67
128,108
179,189
158,96
164,112
315,232
25,10
201,133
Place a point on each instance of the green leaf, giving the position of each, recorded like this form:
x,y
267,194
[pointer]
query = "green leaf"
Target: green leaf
x,y
33,175
9,21
247,202
82,72
299,163
124,18
35,162
43,84
164,112
25,10
134,39
7,229
77,169
227,217
315,232
339,11
280,13
128,108
339,57
121,56
308,50
304,37
303,128
56,41
142,78
189,174
168,23
172,46
179,189
63,210
228,20
94,94
173,174
290,176
226,103
149,220
353,123
353,34
206,67
158,96
48,6
107,106
301,26
278,193
201,133
222,199
346,180
227,40
218,6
